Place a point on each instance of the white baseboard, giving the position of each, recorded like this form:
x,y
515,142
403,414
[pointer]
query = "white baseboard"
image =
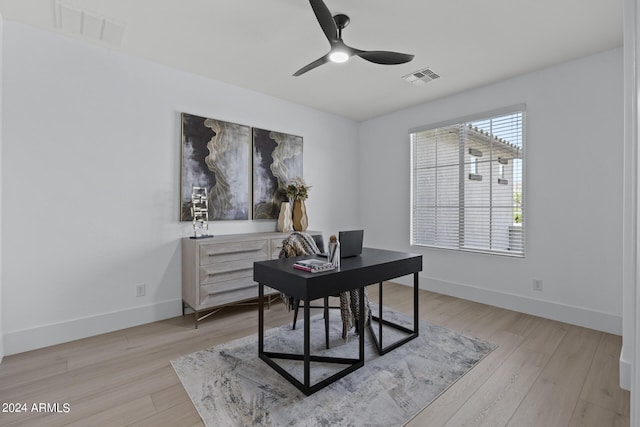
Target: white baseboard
x,y
57,333
588,318
44,336
625,374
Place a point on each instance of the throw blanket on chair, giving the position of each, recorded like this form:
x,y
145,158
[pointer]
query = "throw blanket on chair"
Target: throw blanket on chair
x,y
298,244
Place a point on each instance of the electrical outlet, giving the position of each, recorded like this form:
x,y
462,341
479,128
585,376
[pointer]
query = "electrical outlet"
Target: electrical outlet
x,y
141,290
537,285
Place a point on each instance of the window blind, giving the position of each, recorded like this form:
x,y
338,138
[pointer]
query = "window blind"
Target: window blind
x,y
467,185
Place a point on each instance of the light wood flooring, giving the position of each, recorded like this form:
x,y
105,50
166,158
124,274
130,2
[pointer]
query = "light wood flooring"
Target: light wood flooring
x,y
543,373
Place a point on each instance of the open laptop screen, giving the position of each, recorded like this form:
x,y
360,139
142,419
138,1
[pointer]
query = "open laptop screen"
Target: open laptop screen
x,y
350,243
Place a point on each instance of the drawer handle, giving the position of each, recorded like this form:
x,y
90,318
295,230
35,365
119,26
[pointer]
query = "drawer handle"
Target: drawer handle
x,y
235,289
228,271
233,252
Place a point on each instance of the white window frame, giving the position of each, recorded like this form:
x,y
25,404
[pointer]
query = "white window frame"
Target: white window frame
x,y
475,118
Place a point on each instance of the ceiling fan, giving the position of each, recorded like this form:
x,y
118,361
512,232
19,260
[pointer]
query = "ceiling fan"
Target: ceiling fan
x,y
340,52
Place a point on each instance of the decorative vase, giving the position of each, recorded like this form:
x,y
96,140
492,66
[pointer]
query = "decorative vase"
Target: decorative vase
x,y
285,223
300,220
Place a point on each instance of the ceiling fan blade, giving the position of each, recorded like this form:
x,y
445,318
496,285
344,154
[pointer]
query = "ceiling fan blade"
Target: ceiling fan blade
x,y
383,57
314,64
325,19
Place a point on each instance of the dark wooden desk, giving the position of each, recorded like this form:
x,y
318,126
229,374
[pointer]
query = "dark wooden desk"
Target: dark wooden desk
x,y
373,266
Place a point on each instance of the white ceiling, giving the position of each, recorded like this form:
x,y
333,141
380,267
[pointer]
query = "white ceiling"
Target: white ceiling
x,y
259,44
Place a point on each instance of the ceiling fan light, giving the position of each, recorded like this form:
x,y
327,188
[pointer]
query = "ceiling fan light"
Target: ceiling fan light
x,y
338,56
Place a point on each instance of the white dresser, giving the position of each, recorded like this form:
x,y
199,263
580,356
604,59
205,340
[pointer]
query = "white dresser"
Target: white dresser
x,y
218,271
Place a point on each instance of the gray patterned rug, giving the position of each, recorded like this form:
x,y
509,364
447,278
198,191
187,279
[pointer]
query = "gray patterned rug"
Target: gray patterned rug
x,y
230,386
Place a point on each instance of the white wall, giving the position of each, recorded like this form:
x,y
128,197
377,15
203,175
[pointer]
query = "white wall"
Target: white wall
x,y
1,87
91,169
86,126
574,177
630,354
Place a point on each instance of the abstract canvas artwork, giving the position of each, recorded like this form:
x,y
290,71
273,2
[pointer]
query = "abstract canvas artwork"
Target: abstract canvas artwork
x,y
215,155
277,159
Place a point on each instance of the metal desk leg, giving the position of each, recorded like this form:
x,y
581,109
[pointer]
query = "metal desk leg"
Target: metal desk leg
x,y
326,322
307,345
305,386
415,303
412,333
380,314
361,323
260,319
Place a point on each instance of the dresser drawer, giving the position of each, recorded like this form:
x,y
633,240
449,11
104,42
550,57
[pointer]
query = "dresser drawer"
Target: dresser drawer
x,y
276,247
226,286
222,298
224,271
234,295
256,250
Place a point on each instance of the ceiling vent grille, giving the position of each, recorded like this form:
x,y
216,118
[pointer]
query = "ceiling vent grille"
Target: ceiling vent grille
x,y
421,77
89,25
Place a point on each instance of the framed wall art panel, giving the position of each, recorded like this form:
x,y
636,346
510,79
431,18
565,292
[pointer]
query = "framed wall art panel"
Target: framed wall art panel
x,y
216,155
277,159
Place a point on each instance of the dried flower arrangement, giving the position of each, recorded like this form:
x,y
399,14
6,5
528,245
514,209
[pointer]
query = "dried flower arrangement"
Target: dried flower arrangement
x,y
298,189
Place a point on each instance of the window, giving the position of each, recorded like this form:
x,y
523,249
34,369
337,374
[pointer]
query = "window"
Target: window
x,y
467,184
474,166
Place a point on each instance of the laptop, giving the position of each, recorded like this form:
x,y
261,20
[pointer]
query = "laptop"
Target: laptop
x,y
350,243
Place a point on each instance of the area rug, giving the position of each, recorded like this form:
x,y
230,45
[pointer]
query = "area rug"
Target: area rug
x,y
230,386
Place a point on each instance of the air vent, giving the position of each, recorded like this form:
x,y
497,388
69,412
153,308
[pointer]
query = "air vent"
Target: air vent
x,y
421,77
88,24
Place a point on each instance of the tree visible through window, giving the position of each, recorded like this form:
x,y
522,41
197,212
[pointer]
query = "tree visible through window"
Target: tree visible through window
x,y
467,185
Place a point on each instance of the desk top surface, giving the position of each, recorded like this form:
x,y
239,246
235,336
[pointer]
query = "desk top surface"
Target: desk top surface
x,y
373,266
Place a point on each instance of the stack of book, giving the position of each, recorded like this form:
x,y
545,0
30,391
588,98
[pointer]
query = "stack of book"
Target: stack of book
x,y
313,265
